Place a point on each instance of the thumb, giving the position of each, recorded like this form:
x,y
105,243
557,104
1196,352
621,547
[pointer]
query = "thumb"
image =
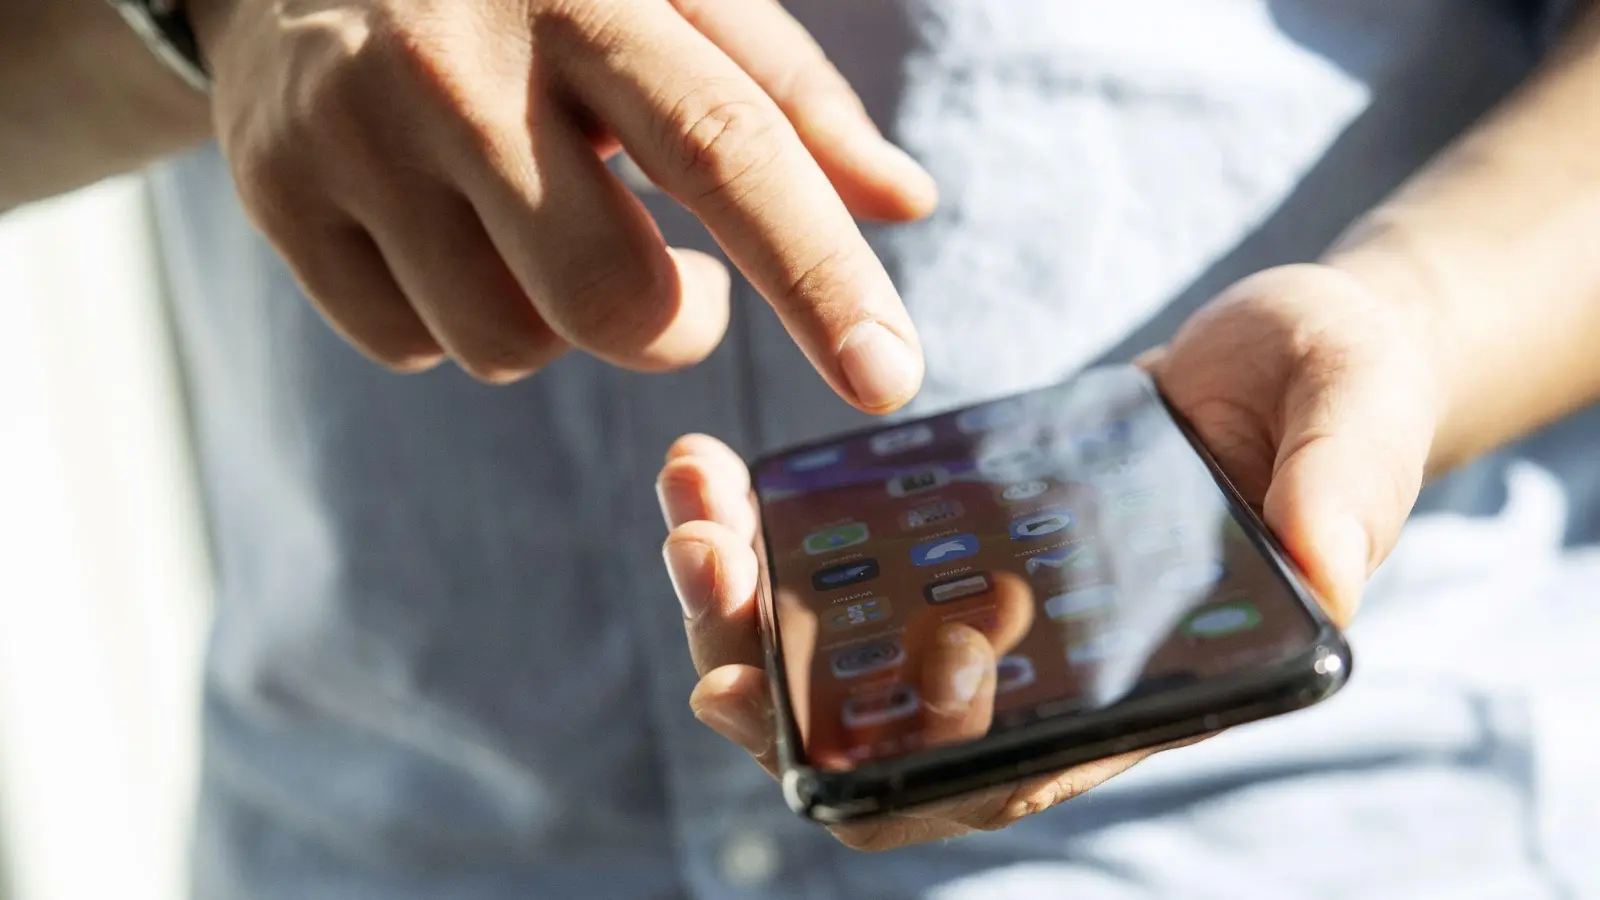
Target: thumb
x,y
1348,470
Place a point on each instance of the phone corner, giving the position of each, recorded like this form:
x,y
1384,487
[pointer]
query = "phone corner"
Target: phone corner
x,y
827,798
1331,664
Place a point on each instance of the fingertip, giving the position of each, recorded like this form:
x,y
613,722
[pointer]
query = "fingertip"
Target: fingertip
x,y
698,320
1333,548
680,489
959,664
692,567
705,488
876,179
723,473
882,369
703,273
706,447
731,700
912,191
412,364
713,570
732,681
1345,557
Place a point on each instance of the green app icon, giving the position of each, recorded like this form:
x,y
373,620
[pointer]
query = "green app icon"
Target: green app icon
x,y
1229,618
836,538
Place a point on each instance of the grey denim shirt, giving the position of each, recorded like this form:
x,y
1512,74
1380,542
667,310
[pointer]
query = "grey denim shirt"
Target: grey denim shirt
x,y
447,663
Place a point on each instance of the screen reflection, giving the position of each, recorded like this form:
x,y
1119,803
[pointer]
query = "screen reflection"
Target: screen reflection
x,y
1034,557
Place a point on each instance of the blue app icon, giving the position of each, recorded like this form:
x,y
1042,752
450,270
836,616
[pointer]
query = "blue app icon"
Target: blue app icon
x,y
812,460
946,549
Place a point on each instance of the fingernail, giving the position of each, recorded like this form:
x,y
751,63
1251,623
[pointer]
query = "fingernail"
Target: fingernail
x,y
745,730
968,677
664,499
688,565
908,173
1349,555
881,369
955,636
968,665
965,682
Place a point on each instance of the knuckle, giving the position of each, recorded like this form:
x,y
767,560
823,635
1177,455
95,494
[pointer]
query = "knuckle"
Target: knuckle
x,y
331,102
818,285
337,109
723,143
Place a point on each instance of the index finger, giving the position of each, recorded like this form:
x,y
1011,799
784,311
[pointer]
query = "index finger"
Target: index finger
x,y
702,129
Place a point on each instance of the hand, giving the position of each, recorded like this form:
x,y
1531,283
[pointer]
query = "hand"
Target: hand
x,y
1320,402
433,174
1315,397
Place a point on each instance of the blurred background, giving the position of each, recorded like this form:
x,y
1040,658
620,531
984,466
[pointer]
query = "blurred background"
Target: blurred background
x,y
103,572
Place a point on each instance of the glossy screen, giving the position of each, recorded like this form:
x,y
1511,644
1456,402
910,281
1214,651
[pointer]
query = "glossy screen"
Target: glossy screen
x,y
1073,531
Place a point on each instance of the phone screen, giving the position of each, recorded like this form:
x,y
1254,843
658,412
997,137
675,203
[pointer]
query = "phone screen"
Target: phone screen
x,y
1074,530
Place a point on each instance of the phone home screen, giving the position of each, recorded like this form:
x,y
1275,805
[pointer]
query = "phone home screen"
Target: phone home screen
x,y
1074,529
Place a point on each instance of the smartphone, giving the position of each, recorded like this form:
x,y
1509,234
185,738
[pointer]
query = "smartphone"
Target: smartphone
x,y
1078,540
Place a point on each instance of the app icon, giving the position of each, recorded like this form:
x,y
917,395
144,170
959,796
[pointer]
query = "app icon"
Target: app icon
x,y
1218,621
943,550
1153,539
1083,603
1013,672
992,417
1007,464
952,589
1191,577
931,514
836,538
1098,648
860,612
844,574
1103,442
867,657
1023,490
927,478
1134,502
1125,464
898,702
1040,524
888,443
1075,558
812,460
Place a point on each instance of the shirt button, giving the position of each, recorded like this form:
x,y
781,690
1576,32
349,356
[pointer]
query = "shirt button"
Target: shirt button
x,y
749,860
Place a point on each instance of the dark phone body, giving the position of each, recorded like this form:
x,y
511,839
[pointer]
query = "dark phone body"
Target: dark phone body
x,y
1155,714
